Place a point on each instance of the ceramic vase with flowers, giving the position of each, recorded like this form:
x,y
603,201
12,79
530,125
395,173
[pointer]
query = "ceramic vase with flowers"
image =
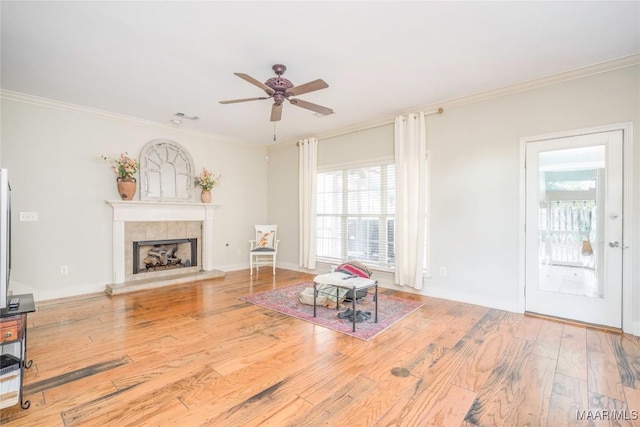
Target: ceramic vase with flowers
x,y
206,181
125,168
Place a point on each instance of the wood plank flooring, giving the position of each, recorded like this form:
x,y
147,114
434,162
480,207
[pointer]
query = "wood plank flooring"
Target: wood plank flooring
x,y
194,354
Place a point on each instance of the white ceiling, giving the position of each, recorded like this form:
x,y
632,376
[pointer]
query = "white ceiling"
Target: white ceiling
x,y
151,59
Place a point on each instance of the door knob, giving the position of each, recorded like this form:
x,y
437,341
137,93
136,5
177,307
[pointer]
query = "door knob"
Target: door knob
x,y
614,244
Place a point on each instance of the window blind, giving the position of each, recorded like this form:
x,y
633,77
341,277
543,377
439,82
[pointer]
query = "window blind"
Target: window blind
x,y
356,215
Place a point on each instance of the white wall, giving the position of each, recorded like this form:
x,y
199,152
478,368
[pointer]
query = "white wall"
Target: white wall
x,y
475,168
52,154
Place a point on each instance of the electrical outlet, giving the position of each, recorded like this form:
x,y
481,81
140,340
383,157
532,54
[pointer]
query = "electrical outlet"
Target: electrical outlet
x,y
64,270
239,251
443,271
28,216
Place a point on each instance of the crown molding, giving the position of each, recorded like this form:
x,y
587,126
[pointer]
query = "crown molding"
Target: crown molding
x,y
51,103
578,73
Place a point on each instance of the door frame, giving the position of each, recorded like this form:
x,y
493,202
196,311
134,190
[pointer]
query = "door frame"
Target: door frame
x,y
627,214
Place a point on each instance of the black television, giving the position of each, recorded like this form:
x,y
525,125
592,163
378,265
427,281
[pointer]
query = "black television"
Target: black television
x,y
5,237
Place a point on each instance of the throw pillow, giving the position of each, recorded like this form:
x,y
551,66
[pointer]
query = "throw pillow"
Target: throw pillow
x,y
265,239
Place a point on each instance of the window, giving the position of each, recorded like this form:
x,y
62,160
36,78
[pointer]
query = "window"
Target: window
x,y
356,213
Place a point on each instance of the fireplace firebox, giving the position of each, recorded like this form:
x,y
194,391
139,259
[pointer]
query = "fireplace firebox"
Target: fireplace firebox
x,y
157,255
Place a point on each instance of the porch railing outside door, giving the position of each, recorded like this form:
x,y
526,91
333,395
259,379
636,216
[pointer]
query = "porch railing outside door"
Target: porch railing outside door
x,y
568,232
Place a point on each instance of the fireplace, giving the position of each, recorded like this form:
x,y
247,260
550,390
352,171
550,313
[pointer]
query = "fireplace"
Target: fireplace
x,y
154,221
166,254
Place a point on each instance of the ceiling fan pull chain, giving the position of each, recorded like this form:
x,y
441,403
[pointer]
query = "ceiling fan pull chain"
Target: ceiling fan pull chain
x,y
274,131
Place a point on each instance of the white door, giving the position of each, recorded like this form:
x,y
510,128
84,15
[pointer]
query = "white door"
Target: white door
x,y
574,188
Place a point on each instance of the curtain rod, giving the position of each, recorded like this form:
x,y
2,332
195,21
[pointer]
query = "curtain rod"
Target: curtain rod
x,y
439,110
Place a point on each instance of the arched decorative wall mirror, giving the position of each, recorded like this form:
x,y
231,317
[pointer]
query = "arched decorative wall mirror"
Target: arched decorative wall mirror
x,y
166,172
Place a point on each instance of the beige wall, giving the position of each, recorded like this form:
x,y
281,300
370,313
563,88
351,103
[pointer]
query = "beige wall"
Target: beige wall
x,y
52,154
475,193
373,143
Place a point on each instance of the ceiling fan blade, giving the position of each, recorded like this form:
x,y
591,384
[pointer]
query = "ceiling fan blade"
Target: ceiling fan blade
x,y
308,87
311,106
233,101
276,112
255,82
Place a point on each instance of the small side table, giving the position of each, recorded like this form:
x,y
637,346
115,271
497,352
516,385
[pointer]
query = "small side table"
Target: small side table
x,y
26,306
345,281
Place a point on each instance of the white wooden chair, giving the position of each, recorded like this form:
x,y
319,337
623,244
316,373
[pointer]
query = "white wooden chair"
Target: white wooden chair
x,y
264,249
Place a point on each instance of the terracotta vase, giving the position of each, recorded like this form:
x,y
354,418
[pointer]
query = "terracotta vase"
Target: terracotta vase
x,y
126,188
205,196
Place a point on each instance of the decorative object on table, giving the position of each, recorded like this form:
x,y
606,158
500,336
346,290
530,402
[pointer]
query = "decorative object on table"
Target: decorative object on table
x,y
286,300
206,181
125,168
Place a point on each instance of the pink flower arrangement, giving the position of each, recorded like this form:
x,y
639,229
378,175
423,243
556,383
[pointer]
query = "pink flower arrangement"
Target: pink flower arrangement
x,y
124,166
206,180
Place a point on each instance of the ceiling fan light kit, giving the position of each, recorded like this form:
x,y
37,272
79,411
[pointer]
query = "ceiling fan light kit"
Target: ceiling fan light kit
x,y
281,89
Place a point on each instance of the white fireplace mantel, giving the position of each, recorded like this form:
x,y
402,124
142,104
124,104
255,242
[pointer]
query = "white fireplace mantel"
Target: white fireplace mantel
x,y
136,211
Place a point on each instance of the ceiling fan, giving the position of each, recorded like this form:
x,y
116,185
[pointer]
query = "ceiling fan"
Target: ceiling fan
x,y
280,89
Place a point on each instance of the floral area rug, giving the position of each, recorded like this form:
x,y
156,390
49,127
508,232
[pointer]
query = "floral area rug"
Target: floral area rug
x,y
286,301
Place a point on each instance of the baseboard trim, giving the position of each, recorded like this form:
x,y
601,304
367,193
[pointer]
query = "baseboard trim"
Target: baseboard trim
x,y
66,292
573,322
635,329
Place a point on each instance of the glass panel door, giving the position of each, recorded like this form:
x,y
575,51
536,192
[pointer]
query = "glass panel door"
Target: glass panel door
x,y
574,201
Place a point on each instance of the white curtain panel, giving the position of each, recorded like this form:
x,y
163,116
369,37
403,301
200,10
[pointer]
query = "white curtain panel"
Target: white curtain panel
x,y
410,161
308,164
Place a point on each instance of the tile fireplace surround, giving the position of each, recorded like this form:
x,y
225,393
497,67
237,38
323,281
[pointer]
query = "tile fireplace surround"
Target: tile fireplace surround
x,y
161,212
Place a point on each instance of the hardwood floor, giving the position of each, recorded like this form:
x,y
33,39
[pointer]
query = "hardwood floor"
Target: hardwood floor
x,y
194,354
